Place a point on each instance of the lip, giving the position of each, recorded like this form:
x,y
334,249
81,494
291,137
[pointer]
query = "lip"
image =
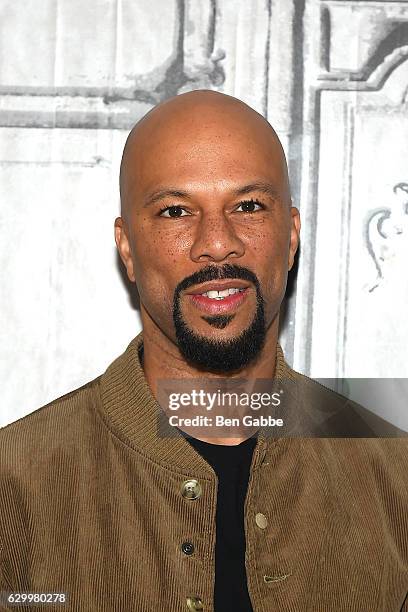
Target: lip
x,y
214,307
218,286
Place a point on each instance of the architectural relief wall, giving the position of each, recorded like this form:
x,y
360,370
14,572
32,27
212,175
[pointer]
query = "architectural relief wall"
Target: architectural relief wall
x,y
331,76
355,193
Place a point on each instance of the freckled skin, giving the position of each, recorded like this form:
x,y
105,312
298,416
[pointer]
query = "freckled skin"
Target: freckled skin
x,y
208,145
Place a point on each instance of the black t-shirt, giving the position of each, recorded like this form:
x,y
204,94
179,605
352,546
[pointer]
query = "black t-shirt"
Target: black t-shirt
x,y
231,464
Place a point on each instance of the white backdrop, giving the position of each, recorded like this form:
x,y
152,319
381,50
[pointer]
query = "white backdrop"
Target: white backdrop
x,y
331,76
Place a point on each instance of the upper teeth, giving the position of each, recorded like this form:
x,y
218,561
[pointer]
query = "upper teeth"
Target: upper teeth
x,y
220,295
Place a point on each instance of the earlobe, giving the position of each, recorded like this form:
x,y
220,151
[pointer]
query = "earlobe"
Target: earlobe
x,y
123,246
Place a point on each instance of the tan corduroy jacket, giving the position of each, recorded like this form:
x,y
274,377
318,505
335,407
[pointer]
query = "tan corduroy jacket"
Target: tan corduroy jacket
x,y
92,504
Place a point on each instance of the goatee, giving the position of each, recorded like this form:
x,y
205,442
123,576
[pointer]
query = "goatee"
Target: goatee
x,y
220,356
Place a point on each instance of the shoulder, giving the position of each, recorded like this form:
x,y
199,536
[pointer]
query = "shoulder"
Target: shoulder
x,y
335,415
57,423
345,436
349,438
68,425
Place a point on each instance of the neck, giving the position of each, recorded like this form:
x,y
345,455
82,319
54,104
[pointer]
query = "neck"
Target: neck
x,y
162,360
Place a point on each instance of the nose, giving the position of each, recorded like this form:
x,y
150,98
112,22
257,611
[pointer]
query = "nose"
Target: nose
x,y
216,239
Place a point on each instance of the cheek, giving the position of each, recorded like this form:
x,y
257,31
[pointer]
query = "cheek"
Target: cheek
x,y
271,261
160,244
153,282
158,269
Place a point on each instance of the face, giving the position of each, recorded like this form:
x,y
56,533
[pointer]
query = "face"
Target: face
x,y
209,234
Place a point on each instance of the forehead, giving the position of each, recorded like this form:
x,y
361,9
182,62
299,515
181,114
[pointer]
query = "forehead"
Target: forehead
x,y
208,151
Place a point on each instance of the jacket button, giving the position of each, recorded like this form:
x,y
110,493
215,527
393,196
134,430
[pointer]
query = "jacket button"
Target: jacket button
x,y
187,548
191,489
194,604
261,520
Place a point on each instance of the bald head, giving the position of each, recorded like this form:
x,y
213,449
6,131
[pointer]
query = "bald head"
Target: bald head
x,y
194,125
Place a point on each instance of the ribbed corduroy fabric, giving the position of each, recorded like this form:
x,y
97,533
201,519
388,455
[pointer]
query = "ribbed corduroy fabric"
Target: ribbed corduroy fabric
x,y
91,505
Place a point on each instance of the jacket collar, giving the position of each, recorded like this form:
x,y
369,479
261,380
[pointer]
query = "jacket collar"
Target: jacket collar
x,y
131,412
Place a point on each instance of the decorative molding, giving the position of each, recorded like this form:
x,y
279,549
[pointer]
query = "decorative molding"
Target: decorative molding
x,y
195,65
381,229
378,28
64,111
343,288
347,81
372,78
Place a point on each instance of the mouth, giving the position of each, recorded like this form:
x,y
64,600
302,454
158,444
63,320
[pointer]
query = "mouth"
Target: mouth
x,y
219,297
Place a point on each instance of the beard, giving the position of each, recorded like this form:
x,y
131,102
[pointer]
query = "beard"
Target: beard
x,y
220,356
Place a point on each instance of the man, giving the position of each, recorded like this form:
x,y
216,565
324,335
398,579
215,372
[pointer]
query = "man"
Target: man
x,y
96,503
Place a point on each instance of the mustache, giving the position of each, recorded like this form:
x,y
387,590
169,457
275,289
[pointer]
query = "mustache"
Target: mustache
x,y
212,272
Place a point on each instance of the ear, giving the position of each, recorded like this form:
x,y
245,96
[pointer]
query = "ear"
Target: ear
x,y
122,242
294,235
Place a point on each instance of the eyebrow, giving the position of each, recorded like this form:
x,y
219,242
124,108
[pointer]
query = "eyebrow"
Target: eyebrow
x,y
164,193
261,186
266,188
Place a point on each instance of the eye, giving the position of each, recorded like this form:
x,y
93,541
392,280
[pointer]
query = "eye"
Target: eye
x,y
249,206
172,212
